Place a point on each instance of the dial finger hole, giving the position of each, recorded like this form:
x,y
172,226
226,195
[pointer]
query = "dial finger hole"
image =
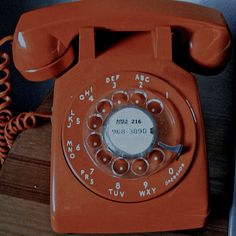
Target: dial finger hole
x,y
139,167
104,157
120,166
156,158
155,106
120,98
139,98
104,106
94,140
95,122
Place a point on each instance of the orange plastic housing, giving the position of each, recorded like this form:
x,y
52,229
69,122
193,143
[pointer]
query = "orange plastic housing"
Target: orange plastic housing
x,y
128,143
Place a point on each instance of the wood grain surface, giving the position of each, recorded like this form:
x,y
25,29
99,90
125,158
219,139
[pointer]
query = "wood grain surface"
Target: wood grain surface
x,y
25,187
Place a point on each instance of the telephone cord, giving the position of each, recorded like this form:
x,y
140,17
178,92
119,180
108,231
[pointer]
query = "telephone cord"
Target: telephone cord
x,y
11,126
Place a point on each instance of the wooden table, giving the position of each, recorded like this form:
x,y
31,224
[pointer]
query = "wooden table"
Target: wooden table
x,y
25,187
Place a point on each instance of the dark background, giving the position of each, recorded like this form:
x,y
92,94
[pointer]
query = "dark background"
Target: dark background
x,y
217,92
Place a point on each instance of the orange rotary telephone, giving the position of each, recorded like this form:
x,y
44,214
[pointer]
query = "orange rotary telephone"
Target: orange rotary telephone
x,y
128,144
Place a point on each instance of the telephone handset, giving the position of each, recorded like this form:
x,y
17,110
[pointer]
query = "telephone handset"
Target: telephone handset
x,y
51,33
128,144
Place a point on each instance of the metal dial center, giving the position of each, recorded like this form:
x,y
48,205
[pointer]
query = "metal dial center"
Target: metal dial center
x,y
130,132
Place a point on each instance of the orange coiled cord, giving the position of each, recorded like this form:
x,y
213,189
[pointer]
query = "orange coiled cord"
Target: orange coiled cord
x,y
11,126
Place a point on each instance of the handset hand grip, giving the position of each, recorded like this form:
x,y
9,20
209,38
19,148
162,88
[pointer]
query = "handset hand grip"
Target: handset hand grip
x,y
43,37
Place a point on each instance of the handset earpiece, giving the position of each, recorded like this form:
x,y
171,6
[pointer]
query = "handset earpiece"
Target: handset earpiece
x,y
209,47
40,56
